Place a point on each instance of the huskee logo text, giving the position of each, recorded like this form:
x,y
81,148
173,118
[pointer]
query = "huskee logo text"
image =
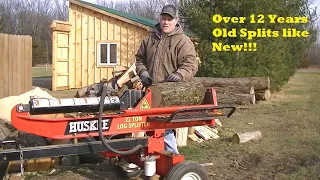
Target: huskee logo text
x,y
86,126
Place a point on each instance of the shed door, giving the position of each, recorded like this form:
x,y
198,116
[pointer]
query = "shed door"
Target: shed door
x,y
60,61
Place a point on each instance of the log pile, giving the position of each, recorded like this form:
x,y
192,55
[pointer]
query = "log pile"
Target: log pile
x,y
229,91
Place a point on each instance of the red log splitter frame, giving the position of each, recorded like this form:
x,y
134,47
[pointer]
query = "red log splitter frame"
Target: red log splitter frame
x,y
132,112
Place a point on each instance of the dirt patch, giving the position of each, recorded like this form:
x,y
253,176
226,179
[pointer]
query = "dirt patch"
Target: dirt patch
x,y
234,166
254,166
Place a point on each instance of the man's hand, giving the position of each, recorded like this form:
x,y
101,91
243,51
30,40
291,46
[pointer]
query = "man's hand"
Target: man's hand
x,y
174,77
145,78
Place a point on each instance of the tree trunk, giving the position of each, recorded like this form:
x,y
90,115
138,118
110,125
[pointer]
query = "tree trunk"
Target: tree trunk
x,y
235,99
192,93
263,95
235,90
259,83
181,93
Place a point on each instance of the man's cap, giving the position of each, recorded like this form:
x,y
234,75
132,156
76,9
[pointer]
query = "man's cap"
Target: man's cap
x,y
171,10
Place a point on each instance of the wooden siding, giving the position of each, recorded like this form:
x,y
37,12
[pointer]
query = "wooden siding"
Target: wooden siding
x,y
60,55
16,64
87,29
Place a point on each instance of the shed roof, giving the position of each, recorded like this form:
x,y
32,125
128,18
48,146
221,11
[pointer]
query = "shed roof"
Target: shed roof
x,y
139,19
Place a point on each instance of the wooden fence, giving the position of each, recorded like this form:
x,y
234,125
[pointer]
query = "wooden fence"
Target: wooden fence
x,y
15,64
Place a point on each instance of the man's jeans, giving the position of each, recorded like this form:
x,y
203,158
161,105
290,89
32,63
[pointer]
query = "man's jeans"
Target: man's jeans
x,y
170,145
170,141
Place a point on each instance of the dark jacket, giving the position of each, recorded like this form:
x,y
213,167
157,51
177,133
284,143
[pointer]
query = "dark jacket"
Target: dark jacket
x,y
163,55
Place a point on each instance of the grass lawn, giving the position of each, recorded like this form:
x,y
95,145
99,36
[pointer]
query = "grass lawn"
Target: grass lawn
x,y
41,72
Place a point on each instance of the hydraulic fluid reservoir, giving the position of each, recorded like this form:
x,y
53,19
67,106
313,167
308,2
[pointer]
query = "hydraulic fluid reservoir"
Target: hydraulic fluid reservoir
x,y
68,105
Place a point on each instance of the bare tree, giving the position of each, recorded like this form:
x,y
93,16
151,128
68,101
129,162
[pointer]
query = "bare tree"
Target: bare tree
x,y
29,17
149,9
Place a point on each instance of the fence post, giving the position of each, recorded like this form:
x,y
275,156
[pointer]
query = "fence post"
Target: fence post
x,y
16,64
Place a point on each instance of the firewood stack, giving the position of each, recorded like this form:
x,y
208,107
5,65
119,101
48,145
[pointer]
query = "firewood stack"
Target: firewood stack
x,y
197,134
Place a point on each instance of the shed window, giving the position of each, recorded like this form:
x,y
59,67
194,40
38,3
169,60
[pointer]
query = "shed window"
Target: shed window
x,y
107,53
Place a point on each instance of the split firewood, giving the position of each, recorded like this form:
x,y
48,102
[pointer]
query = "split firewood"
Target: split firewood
x,y
247,136
191,130
207,164
205,132
127,75
201,131
182,136
218,122
209,131
195,138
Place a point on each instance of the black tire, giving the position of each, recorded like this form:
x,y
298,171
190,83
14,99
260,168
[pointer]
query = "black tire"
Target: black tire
x,y
185,167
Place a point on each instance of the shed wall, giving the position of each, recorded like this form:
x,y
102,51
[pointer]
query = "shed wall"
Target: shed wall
x,y
89,27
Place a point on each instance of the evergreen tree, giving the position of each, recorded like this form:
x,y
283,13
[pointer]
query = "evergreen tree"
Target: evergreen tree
x,y
276,57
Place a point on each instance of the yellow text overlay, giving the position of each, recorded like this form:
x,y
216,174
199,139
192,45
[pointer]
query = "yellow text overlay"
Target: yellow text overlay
x,y
251,34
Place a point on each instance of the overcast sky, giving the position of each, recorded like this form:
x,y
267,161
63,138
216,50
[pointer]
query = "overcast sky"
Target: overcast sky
x,y
91,1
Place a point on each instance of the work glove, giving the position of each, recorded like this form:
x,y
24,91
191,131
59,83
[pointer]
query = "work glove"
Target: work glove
x,y
174,77
145,78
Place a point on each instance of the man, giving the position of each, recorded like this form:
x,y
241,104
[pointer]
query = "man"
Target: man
x,y
167,55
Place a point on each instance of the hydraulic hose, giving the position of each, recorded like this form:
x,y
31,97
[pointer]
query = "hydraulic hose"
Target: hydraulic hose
x,y
102,138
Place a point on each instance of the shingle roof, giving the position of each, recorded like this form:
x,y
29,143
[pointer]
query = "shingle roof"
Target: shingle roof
x,y
139,19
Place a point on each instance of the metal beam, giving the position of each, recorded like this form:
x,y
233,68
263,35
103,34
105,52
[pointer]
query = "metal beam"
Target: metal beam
x,y
70,149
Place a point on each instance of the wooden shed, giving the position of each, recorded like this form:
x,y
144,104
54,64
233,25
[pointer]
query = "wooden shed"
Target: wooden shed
x,y
95,39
